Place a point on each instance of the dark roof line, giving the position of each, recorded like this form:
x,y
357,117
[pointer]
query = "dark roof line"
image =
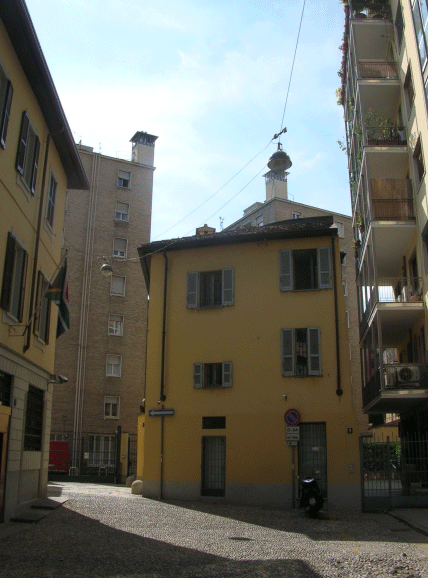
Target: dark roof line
x,y
18,24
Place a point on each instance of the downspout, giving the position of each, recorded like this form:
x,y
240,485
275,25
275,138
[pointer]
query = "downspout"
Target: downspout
x,y
162,385
36,247
339,390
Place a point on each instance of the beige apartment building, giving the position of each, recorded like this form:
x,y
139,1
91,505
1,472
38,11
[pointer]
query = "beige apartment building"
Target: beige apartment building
x,y
278,207
103,353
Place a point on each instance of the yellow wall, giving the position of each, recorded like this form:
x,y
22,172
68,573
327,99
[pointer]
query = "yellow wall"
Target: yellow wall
x,y
140,445
19,211
248,334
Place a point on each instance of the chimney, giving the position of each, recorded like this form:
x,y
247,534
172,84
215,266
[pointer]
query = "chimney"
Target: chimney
x,y
143,148
276,185
205,230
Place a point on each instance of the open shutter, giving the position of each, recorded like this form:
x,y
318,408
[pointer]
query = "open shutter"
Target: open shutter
x,y
22,286
192,290
6,114
197,374
8,272
287,351
314,348
227,287
22,143
285,271
227,373
37,314
35,166
324,268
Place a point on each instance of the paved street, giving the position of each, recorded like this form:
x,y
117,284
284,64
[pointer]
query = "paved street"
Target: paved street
x,y
106,531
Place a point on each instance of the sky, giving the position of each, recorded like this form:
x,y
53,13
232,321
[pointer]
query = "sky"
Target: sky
x,y
210,79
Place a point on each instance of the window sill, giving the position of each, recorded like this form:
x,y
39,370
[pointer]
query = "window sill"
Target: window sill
x,y
48,229
23,185
111,417
39,343
12,321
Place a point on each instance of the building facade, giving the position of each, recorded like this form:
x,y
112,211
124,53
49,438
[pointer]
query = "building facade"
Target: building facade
x,y
243,326
103,354
384,94
38,161
278,207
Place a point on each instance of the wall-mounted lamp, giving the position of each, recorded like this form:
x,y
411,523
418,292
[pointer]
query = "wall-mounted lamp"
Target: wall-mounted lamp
x,y
285,397
57,378
106,270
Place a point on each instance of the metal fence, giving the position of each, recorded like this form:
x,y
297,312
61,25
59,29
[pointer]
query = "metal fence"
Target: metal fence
x,y
394,474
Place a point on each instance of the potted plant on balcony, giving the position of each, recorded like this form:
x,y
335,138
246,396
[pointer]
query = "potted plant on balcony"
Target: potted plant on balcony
x,y
360,222
355,246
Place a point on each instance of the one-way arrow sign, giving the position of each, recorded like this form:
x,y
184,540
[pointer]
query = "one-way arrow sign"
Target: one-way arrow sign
x,y
158,412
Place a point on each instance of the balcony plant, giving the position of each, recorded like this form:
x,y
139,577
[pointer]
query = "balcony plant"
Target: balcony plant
x,y
355,246
360,222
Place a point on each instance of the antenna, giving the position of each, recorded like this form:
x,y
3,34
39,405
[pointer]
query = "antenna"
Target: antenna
x,y
221,223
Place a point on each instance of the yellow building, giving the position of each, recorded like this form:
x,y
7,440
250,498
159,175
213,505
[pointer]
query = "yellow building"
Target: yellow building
x,y
243,326
38,161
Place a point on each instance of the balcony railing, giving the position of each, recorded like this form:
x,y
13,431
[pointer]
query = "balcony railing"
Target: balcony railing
x,y
395,376
392,199
385,136
377,69
375,11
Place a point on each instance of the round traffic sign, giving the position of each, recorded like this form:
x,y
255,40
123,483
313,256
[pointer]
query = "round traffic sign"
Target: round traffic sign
x,y
292,417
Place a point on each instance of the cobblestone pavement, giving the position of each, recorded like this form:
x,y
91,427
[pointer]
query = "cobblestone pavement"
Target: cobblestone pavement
x,y
105,531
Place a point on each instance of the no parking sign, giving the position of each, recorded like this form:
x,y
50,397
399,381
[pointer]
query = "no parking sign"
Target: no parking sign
x,y
292,417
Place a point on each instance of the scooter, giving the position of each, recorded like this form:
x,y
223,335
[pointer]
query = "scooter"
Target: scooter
x,y
311,498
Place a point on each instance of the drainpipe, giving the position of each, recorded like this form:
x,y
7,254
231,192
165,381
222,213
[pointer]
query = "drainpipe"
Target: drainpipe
x,y
162,385
339,390
36,246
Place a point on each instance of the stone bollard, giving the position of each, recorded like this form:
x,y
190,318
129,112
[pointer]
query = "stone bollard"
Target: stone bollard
x,y
129,480
137,487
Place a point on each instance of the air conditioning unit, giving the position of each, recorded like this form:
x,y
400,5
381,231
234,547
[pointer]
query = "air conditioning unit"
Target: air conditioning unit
x,y
405,375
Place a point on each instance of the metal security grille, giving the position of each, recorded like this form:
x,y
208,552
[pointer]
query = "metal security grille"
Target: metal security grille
x,y
213,465
313,454
34,419
5,388
132,454
394,474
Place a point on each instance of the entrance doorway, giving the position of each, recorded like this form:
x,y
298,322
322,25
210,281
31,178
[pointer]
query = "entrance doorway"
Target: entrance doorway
x,y
313,454
213,465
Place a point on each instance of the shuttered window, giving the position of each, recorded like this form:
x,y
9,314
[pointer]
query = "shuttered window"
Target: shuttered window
x,y
27,157
50,209
124,179
305,269
212,375
6,93
301,352
210,289
14,275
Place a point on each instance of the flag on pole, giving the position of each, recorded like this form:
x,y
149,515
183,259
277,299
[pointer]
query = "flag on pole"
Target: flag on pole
x,y
58,293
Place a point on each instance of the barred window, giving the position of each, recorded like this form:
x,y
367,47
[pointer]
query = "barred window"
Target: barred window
x,y
34,419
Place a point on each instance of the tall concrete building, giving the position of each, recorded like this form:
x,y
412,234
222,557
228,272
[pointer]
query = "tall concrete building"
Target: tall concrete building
x,y
278,207
103,354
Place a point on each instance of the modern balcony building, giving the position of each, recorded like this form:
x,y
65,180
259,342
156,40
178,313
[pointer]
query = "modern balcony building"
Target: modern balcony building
x,y
384,94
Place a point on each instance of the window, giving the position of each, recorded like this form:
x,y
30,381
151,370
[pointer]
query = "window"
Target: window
x,y
119,247
301,351
102,451
345,288
214,422
409,91
50,209
296,215
42,315
114,365
259,221
212,375
111,407
340,229
6,92
420,21
399,26
117,286
115,325
418,162
124,179
305,269
122,211
210,289
5,388
14,273
27,157
34,419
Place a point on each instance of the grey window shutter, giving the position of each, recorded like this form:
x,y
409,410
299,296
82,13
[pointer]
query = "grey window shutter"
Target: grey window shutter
x,y
197,374
324,268
285,271
23,142
22,287
192,290
8,272
227,286
227,373
287,351
314,348
6,114
35,166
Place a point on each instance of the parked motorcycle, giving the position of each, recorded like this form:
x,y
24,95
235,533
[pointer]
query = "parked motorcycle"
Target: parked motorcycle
x,y
311,498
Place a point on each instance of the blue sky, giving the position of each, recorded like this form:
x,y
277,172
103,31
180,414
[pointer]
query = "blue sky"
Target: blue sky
x,y
210,80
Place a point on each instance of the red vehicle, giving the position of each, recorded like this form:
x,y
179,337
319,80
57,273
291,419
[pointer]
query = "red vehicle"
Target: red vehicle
x,y
59,457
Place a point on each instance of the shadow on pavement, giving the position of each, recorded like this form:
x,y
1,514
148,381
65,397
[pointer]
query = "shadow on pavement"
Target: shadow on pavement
x,y
68,544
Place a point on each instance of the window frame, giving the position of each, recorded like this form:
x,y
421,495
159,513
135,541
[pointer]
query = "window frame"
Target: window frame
x,y
418,163
5,104
112,400
193,291
324,278
124,285
114,333
11,277
116,252
200,371
121,179
25,170
116,213
288,350
109,356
